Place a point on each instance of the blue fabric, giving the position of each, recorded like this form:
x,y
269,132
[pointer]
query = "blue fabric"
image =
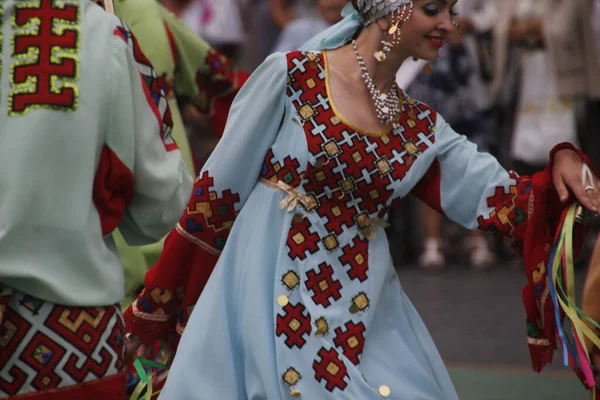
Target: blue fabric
x,y
338,34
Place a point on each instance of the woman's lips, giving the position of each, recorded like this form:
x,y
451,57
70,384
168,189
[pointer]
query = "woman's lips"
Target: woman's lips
x,y
437,41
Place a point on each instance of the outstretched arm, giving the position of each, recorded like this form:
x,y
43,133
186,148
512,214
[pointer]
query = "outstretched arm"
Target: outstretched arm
x,y
474,190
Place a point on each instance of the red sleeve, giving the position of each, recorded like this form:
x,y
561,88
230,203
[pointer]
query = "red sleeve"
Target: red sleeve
x,y
534,240
217,87
113,190
190,253
172,288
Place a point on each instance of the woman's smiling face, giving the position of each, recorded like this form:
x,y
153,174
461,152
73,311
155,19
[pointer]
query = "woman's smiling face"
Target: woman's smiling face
x,y
425,32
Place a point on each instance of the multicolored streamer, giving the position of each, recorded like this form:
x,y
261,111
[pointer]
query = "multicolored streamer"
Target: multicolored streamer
x,y
572,331
149,371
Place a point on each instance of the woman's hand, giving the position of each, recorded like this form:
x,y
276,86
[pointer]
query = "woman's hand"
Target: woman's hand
x,y
528,30
133,348
567,176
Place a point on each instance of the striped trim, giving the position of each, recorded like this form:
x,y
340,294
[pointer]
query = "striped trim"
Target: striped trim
x,y
195,240
148,316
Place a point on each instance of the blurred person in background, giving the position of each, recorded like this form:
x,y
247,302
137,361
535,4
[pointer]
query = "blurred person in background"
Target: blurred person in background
x,y
300,30
556,70
218,22
454,87
544,116
264,20
572,35
572,32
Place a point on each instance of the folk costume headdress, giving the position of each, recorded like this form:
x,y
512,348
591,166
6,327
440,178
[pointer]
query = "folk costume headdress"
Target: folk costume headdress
x,y
359,14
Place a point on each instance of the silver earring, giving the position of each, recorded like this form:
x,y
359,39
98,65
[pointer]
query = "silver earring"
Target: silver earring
x,y
458,27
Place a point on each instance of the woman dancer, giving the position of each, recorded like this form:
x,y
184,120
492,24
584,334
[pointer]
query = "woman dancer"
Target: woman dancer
x,y
304,300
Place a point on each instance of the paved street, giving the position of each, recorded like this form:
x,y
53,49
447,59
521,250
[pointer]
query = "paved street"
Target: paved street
x,y
477,321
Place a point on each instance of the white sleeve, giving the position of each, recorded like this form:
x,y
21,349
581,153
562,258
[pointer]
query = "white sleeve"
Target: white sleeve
x,y
139,133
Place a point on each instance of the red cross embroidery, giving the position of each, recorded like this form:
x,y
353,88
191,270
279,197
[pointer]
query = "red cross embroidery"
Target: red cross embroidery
x,y
323,285
294,324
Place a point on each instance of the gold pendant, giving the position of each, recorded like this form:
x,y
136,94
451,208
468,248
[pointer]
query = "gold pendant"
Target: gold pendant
x,y
380,56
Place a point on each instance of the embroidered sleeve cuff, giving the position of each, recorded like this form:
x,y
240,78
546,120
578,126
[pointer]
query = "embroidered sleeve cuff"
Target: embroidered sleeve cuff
x,y
148,327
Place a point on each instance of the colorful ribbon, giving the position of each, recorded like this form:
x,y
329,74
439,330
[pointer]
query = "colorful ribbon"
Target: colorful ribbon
x,y
147,378
571,330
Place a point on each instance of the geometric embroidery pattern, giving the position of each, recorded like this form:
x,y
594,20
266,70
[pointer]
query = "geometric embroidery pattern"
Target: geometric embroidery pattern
x,y
45,50
43,355
352,173
349,183
209,217
275,171
294,324
301,241
157,304
291,376
360,302
290,280
356,256
506,215
351,340
330,242
46,346
323,285
331,369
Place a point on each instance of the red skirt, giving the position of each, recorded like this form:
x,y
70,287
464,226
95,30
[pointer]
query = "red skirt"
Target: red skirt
x,y
49,351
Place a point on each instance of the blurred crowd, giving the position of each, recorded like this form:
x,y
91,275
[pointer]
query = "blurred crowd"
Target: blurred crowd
x,y
518,77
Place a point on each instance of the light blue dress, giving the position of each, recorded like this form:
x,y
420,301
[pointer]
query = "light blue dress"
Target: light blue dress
x,y
304,301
